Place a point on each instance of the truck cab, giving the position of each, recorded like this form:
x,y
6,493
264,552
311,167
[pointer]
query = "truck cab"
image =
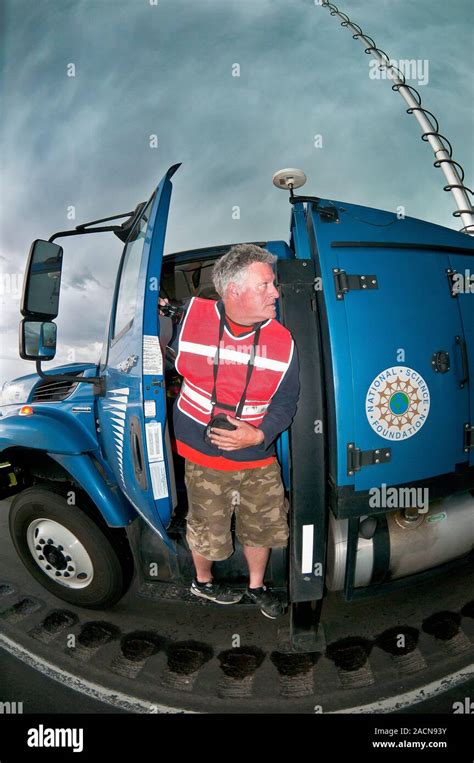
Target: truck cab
x,y
378,463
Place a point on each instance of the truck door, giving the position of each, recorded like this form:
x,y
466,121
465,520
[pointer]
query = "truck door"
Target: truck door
x,y
132,413
398,346
461,280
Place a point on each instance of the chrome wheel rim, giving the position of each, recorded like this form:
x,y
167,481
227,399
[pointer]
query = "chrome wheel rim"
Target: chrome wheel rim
x,y
59,554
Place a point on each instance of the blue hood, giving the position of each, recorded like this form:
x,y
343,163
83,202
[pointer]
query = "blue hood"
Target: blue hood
x,y
18,391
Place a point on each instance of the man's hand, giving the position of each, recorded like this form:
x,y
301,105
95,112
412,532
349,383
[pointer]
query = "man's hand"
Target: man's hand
x,y
243,436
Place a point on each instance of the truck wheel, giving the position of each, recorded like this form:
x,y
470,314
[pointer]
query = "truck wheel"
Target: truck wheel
x,y
66,551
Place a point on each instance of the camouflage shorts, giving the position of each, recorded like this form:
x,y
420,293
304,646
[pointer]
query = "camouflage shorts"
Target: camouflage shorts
x,y
255,495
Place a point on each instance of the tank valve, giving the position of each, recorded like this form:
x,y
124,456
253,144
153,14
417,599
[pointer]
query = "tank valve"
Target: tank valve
x,y
411,513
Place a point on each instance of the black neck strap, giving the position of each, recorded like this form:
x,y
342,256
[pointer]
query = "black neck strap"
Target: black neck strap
x,y
250,366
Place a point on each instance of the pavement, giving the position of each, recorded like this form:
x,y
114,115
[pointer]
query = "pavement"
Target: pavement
x,y
164,656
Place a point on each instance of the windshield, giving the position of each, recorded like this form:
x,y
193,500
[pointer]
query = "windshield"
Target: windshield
x,y
127,294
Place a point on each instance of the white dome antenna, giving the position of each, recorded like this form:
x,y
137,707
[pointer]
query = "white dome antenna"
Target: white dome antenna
x,y
288,179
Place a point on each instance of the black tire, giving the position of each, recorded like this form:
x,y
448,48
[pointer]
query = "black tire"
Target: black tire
x,y
111,573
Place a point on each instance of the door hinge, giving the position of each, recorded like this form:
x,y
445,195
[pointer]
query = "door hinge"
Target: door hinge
x,y
468,437
99,387
357,458
328,214
344,282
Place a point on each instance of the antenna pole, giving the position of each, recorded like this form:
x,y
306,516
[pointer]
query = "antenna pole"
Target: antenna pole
x,y
441,146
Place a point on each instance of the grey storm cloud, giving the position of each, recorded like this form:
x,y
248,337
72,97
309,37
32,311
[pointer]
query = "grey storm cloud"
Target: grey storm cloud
x,y
82,281
76,148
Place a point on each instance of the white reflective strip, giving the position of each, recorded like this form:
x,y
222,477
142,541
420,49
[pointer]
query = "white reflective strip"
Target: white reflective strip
x,y
196,387
187,413
204,402
272,365
209,350
248,410
307,553
183,328
198,349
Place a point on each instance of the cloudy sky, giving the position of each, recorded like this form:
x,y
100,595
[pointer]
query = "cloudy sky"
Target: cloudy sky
x,y
164,68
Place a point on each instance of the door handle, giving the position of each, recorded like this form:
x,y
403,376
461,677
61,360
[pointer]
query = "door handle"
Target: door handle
x,y
465,364
137,452
137,456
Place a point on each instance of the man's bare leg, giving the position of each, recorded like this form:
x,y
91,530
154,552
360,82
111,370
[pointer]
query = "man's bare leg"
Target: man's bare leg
x,y
220,594
203,567
257,559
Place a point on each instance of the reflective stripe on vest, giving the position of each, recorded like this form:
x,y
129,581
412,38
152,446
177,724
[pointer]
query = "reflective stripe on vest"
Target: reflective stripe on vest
x,y
196,350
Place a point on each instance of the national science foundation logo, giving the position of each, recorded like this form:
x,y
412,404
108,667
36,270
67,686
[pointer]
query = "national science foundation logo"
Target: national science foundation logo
x,y
397,403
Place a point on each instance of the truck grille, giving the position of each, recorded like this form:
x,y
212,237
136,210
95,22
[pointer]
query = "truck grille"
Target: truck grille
x,y
50,391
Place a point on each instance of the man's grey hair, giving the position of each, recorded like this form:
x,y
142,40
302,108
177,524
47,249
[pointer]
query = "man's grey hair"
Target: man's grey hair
x,y
232,267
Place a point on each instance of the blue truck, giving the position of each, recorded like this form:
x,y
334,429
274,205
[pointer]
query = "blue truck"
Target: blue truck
x,y
378,463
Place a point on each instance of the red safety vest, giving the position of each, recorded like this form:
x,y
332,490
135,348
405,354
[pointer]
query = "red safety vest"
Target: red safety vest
x,y
196,351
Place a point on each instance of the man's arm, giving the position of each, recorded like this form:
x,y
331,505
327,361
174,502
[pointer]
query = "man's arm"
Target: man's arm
x,y
281,411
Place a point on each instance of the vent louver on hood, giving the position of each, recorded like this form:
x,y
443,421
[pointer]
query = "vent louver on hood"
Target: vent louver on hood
x,y
50,391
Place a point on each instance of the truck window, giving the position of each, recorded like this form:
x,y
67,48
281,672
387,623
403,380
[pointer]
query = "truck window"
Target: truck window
x,y
187,279
127,294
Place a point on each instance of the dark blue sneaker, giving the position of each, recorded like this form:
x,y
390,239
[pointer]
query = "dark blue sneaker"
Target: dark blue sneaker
x,y
220,594
270,605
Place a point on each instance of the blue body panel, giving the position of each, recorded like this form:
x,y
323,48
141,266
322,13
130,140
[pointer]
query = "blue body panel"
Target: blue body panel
x,y
465,266
66,431
51,428
280,249
107,497
394,330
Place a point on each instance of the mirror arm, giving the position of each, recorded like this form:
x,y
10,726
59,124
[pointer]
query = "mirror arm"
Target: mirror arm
x,y
79,230
98,380
104,228
104,220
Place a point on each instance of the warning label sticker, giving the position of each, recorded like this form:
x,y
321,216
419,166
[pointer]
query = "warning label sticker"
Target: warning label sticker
x,y
152,356
158,479
154,441
150,409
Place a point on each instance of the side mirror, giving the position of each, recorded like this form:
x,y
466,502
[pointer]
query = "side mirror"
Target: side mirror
x,y
37,340
40,297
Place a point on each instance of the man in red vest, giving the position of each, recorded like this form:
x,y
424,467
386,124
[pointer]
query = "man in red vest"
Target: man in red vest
x,y
240,390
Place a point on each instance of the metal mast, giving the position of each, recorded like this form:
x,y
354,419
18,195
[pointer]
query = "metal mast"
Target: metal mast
x,y
441,146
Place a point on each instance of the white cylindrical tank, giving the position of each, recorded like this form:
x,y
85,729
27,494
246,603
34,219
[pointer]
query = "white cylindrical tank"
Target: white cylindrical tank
x,y
444,533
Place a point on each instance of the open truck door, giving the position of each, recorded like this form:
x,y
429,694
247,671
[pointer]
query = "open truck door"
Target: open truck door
x,y
132,413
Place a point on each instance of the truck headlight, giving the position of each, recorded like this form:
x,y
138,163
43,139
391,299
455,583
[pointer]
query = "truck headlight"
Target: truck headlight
x,y
14,393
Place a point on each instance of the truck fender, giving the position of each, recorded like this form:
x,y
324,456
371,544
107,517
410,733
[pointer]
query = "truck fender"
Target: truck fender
x,y
67,440
109,500
48,429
